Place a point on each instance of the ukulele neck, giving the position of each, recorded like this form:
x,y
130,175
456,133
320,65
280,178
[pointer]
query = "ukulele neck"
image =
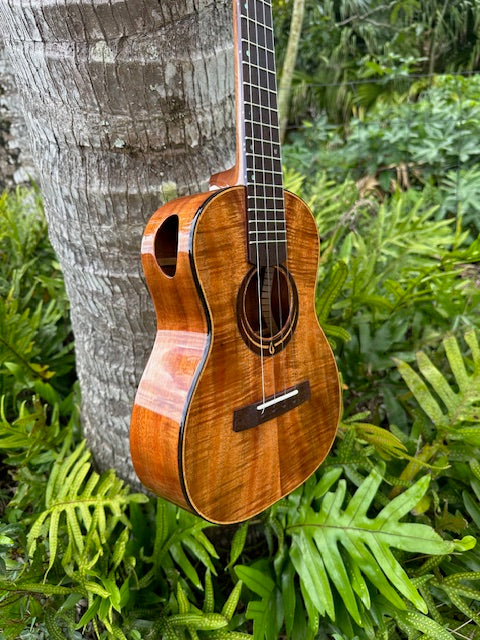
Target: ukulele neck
x,y
259,162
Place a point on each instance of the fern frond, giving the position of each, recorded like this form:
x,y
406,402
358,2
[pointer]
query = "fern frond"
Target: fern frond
x,y
238,544
321,540
385,442
332,290
451,411
263,612
177,531
80,497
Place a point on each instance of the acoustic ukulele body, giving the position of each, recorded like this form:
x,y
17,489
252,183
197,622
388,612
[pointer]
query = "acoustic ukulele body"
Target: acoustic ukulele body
x,y
231,416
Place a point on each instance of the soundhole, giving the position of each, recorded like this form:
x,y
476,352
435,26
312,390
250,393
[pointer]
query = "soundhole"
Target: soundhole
x,y
166,246
267,309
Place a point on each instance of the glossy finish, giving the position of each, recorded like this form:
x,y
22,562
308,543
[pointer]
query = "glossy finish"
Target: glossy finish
x,y
201,370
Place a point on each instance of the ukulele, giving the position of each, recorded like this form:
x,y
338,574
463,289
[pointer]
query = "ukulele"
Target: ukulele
x,y
239,401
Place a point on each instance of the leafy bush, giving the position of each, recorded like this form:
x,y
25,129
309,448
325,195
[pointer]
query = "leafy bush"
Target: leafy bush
x,y
378,544
36,348
380,42
426,139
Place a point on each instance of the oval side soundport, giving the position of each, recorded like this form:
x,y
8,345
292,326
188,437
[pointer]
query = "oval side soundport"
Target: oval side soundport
x,y
166,246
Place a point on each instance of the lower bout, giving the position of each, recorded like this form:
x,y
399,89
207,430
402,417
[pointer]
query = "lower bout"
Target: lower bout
x,y
154,445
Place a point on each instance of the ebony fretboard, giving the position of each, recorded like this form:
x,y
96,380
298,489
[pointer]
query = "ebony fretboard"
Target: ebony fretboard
x,y
263,165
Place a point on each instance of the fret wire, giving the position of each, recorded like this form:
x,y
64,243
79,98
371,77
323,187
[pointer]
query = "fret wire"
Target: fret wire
x,y
257,54
257,46
265,3
248,44
262,134
274,128
268,156
274,221
277,173
263,82
258,107
268,221
274,167
249,19
271,210
268,185
274,145
280,221
273,205
255,86
274,164
275,208
256,66
256,79
261,106
279,242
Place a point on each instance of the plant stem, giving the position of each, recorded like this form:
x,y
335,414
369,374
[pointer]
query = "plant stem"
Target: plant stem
x,y
289,62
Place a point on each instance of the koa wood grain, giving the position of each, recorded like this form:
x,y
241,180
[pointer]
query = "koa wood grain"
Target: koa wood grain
x,y
204,367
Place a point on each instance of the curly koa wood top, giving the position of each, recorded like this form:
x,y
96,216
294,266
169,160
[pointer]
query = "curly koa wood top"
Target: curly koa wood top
x,y
204,372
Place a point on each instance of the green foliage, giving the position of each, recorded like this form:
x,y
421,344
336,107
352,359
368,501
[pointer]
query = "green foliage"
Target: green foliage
x,y
376,41
36,350
367,543
425,139
343,561
403,278
458,420
80,556
379,544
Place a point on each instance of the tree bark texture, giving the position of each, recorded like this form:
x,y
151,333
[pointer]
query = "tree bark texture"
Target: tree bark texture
x,y
16,165
128,103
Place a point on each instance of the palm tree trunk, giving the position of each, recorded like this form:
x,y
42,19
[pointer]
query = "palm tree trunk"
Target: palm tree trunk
x,y
127,103
285,87
16,165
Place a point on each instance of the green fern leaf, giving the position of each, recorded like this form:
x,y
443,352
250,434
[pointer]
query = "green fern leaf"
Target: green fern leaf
x,y
32,587
331,292
91,504
201,622
334,331
53,629
310,566
180,557
429,627
461,409
209,601
199,552
53,537
320,539
120,548
232,601
238,544
385,442
263,612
